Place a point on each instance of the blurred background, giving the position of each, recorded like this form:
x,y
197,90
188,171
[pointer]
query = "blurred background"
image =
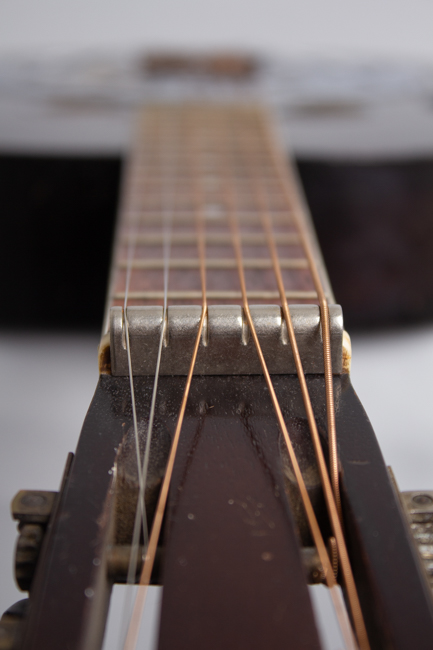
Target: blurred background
x,y
353,86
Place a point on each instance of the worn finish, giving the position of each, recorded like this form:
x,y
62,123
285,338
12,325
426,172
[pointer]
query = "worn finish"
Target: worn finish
x,y
226,345
225,554
418,506
27,550
70,597
33,506
11,624
393,591
233,574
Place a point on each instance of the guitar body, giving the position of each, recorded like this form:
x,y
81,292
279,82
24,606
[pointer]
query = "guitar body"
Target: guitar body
x,y
231,563
225,455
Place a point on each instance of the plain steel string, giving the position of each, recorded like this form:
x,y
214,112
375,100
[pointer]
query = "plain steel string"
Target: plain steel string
x,y
140,500
261,197
130,257
167,197
312,520
134,627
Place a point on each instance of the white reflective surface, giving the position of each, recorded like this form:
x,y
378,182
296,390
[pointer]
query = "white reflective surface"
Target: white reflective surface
x,y
389,28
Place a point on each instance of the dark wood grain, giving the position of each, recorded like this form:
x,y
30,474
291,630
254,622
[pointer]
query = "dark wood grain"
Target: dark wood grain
x,y
233,576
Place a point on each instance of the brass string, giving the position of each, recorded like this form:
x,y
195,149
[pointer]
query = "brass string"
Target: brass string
x,y
149,560
346,569
298,210
311,517
329,492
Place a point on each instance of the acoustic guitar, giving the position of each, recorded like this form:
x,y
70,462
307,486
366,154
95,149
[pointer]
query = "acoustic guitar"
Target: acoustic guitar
x,y
225,454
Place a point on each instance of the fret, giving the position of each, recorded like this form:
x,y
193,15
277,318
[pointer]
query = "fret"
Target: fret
x,y
212,239
190,263
181,160
215,295
182,216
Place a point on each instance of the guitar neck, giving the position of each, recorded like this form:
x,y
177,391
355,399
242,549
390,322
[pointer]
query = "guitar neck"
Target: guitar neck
x,y
212,217
208,161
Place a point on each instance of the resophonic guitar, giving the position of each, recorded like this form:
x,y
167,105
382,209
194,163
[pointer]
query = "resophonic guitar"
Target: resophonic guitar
x,y
225,455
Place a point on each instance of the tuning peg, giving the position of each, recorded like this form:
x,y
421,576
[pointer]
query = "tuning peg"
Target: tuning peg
x,y
32,509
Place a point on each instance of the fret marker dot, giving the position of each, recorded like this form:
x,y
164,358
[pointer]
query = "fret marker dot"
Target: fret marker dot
x,y
213,211
231,502
267,557
191,516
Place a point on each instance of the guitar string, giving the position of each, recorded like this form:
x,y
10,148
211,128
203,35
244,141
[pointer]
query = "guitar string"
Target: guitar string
x,y
355,607
134,627
314,527
130,256
141,520
167,221
295,201
167,214
269,379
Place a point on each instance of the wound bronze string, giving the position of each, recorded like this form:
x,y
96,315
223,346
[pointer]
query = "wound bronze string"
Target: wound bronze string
x,y
311,517
296,202
331,492
149,560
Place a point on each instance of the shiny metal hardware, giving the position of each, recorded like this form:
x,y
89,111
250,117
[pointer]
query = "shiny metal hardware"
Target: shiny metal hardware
x,y
419,511
226,347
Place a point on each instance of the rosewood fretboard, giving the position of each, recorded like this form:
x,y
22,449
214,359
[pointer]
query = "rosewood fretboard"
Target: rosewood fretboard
x,y
188,158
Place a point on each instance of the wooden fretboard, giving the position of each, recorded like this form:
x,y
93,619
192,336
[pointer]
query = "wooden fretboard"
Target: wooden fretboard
x,y
189,158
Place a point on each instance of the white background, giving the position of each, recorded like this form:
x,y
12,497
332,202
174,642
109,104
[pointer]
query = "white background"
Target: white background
x,y
354,28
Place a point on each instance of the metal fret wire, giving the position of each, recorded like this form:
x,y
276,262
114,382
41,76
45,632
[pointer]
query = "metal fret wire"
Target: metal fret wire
x,y
191,263
134,627
211,239
311,517
152,217
261,198
250,218
215,295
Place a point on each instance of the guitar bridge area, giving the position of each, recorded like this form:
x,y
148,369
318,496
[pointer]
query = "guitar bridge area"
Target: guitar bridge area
x,y
226,346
